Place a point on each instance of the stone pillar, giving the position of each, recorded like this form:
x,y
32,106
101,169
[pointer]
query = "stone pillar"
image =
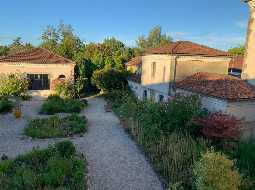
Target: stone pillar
x,y
249,60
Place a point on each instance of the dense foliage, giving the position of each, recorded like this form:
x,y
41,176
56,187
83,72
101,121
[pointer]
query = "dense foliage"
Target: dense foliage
x,y
109,79
220,126
171,149
173,140
57,167
56,104
13,85
5,105
216,171
154,39
240,50
56,127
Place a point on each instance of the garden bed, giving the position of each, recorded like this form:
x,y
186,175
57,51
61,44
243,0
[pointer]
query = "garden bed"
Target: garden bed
x,y
177,148
57,167
55,104
55,126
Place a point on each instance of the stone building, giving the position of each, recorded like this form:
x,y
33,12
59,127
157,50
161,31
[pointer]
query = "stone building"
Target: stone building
x,y
222,93
134,65
43,68
162,67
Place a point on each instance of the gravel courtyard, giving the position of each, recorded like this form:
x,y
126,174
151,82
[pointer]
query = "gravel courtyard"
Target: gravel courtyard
x,y
114,160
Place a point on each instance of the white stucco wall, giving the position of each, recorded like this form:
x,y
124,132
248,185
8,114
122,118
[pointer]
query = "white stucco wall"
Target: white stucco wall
x,y
138,91
210,103
243,109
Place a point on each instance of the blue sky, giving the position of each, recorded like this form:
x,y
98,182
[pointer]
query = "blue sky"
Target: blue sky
x,y
217,23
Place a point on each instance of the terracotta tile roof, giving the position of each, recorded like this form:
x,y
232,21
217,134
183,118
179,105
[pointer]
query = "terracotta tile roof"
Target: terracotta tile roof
x,y
35,55
219,86
135,61
187,48
135,78
236,62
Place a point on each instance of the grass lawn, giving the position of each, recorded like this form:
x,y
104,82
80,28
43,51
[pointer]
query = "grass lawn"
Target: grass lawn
x,y
54,126
58,167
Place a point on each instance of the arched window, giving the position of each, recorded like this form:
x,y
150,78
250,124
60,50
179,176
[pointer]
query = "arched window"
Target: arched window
x,y
62,77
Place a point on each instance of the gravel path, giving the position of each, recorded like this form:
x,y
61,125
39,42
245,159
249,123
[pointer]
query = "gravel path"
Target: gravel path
x,y
114,160
115,163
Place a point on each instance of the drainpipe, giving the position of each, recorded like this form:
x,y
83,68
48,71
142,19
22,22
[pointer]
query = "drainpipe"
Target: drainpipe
x,y
172,83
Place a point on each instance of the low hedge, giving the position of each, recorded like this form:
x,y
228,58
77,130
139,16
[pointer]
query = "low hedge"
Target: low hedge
x,y
57,167
56,127
56,104
5,105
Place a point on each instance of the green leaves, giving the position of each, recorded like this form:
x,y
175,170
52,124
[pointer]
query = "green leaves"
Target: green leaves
x,y
13,85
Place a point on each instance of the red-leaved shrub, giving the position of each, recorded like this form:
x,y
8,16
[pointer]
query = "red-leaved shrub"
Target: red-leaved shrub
x,y
220,126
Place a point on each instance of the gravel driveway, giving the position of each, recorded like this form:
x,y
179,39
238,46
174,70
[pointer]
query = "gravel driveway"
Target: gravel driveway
x,y
114,160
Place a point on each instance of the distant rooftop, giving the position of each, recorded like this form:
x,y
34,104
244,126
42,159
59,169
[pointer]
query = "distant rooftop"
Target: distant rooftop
x,y
220,86
187,48
135,61
236,62
35,55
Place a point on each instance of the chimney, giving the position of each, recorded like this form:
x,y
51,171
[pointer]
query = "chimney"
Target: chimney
x,y
249,60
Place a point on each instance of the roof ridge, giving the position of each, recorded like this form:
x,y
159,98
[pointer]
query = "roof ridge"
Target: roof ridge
x,y
69,60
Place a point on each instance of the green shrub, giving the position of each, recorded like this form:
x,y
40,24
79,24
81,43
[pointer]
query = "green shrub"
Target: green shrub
x,y
245,156
215,171
180,114
66,89
164,132
56,104
66,149
109,79
5,105
56,127
45,169
13,85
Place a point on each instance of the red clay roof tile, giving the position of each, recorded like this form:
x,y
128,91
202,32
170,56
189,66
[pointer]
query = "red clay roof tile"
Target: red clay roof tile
x,y
187,48
35,55
135,61
219,86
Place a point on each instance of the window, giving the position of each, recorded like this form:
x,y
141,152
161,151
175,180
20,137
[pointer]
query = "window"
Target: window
x,y
145,95
161,98
62,77
39,81
153,69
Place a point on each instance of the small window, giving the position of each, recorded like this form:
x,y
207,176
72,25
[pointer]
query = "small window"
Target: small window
x,y
153,70
161,98
145,95
61,77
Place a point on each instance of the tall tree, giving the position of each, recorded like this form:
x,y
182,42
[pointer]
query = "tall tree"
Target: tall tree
x,y
61,40
18,45
155,38
239,50
4,50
